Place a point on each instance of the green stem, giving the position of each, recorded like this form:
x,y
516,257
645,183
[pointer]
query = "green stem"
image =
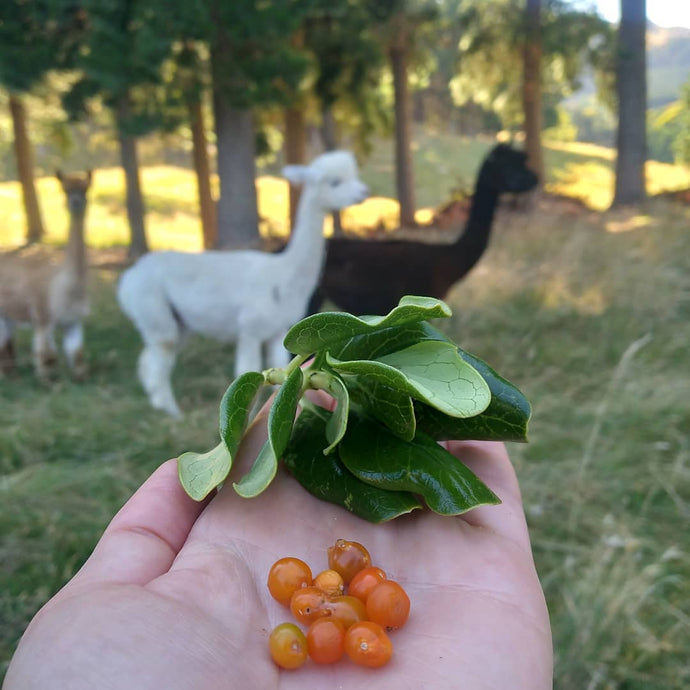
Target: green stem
x,y
320,380
276,376
296,361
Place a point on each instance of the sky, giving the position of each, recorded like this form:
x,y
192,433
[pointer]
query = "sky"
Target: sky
x,y
666,13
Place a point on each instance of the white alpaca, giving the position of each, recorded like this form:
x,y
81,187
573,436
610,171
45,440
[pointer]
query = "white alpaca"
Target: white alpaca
x,y
36,290
250,297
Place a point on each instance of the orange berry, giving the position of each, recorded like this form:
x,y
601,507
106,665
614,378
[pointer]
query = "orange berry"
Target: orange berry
x,y
286,576
330,582
348,558
364,581
348,610
326,640
367,644
388,605
288,646
307,605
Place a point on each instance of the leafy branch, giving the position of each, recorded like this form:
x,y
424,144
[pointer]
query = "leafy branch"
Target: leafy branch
x,y
399,386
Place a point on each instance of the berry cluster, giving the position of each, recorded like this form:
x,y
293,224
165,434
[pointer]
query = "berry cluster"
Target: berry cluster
x,y
349,609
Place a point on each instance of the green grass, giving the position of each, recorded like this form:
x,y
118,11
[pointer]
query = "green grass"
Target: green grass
x,y
588,313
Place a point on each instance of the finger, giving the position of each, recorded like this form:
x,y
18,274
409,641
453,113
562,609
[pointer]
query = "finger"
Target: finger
x,y
144,537
490,462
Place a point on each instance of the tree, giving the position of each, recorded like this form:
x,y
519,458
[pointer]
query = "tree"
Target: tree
x,y
400,30
254,65
631,89
348,62
34,38
531,87
492,56
25,169
121,53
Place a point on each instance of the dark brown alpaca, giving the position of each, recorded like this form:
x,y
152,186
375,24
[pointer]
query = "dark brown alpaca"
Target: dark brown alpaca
x,y
369,277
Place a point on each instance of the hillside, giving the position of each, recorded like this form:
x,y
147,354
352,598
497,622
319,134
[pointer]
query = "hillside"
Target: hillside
x,y
668,64
668,68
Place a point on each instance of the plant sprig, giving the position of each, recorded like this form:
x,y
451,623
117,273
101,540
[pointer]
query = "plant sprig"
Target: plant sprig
x,y
399,385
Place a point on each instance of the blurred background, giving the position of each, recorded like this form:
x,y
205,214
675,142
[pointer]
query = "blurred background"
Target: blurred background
x,y
187,110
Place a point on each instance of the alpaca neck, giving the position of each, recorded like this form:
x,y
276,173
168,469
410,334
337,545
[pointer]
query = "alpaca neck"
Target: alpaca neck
x,y
475,238
306,250
75,253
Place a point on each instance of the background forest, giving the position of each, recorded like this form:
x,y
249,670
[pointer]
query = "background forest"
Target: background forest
x,y
186,112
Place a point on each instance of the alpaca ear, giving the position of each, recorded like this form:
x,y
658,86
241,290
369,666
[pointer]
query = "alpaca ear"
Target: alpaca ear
x,y
298,174
89,176
59,175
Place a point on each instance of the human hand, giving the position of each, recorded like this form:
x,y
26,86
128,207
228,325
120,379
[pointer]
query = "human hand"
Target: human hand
x,y
174,595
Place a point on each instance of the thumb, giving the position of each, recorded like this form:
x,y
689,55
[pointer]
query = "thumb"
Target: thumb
x,y
146,535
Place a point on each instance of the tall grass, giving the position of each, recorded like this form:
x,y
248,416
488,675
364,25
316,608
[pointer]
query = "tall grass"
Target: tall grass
x,y
588,313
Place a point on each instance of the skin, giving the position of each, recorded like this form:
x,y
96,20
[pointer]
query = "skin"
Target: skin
x,y
174,594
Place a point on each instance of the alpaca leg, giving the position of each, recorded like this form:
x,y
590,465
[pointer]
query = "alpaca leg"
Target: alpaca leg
x,y
73,347
7,358
44,352
155,367
247,354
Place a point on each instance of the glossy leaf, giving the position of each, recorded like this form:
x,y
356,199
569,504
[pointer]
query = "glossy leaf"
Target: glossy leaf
x,y
384,341
337,422
505,419
388,405
235,407
442,378
320,331
261,474
381,459
201,473
430,371
283,410
325,476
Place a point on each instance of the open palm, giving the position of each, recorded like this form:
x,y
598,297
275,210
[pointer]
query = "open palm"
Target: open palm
x,y
174,595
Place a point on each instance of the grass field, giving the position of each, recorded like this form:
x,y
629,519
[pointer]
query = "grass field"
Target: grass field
x,y
589,313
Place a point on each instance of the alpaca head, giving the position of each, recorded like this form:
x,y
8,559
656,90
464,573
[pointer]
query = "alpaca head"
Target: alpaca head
x,y
334,178
75,188
505,170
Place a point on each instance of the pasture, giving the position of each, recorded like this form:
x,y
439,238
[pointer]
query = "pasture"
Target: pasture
x,y
587,312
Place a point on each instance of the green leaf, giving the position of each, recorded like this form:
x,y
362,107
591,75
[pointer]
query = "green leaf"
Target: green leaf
x,y
320,331
325,476
442,378
201,473
388,405
337,423
505,419
282,413
261,474
378,458
235,407
384,341
280,420
430,371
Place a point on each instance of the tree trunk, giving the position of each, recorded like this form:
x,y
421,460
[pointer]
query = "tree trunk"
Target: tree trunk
x,y
138,244
295,151
329,137
631,87
238,215
207,206
403,155
531,88
25,170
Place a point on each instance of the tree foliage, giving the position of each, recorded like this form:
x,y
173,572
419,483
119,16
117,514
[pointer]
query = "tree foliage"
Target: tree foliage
x,y
490,54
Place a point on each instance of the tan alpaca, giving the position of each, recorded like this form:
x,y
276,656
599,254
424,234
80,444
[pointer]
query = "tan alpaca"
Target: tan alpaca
x,y
42,291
